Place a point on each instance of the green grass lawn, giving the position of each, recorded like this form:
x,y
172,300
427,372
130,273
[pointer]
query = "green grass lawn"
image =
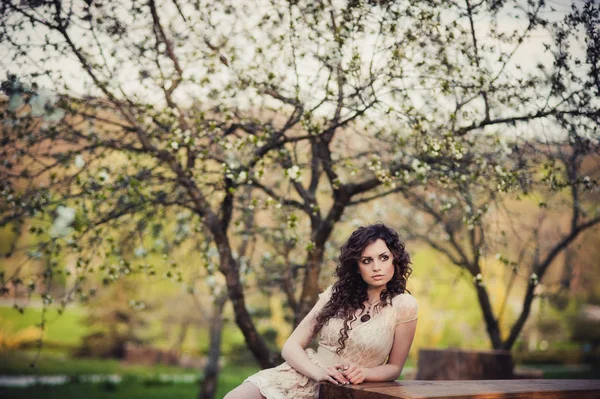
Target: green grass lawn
x,y
57,362
125,390
139,381
100,391
66,329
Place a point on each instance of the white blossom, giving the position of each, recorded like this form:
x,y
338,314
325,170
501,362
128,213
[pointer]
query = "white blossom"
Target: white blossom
x,y
103,176
294,173
507,150
415,164
40,101
534,279
211,281
242,177
61,225
139,252
79,161
212,252
16,102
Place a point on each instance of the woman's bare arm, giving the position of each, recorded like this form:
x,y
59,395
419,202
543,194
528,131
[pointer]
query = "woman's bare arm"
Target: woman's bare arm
x,y
293,349
403,338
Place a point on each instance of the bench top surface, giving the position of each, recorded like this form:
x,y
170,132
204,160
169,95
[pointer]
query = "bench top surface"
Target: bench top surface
x,y
472,389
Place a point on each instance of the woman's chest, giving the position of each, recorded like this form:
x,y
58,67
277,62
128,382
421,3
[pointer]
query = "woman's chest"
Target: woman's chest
x,y
375,333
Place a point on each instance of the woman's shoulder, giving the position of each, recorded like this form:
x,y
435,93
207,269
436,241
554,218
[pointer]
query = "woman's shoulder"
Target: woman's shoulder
x,y
404,299
326,294
406,306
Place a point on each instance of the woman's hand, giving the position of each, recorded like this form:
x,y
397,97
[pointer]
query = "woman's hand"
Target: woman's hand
x,y
331,374
352,372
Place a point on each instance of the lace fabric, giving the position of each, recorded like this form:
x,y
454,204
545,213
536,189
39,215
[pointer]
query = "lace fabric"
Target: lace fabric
x,y
284,382
368,345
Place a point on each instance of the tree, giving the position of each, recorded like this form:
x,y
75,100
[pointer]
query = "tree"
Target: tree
x,y
469,219
181,104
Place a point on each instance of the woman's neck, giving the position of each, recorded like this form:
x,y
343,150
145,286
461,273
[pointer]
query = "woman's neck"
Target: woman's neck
x,y
373,294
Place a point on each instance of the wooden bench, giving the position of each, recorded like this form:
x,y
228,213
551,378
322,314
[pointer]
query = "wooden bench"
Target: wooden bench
x,y
481,389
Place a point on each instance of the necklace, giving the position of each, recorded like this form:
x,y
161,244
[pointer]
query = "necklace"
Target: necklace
x,y
366,317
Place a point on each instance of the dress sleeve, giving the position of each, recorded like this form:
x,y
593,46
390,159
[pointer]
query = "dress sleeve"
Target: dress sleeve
x,y
325,295
406,307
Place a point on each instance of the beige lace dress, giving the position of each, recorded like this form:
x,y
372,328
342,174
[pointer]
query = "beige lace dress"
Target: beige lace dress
x,y
368,345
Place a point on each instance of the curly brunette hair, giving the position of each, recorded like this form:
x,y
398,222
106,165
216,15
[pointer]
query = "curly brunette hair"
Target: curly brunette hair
x,y
350,291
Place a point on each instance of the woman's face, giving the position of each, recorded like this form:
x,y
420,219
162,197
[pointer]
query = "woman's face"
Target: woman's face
x,y
375,264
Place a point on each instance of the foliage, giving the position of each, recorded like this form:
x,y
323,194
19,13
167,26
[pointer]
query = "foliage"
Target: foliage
x,y
218,113
63,330
115,321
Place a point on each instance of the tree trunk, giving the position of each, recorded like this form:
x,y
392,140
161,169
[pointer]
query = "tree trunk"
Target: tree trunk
x,y
254,341
518,325
321,230
310,288
491,323
183,330
208,387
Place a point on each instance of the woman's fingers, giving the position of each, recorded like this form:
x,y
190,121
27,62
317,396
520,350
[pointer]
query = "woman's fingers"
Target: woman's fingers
x,y
332,380
352,374
355,374
340,377
350,369
333,372
342,367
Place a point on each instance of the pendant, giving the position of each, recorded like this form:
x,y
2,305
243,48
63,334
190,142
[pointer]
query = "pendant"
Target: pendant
x,y
366,317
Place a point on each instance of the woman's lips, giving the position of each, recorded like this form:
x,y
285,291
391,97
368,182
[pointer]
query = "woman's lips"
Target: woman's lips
x,y
378,277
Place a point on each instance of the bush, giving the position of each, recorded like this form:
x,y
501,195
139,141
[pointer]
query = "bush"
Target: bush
x,y
25,338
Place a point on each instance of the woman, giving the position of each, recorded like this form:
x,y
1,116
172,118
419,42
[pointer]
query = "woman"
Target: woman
x,y
364,319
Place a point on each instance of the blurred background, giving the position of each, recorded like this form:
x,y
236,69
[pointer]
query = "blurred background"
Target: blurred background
x,y
177,177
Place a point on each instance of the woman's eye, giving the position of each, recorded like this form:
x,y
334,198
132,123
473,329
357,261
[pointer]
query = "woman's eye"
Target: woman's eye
x,y
366,261
385,257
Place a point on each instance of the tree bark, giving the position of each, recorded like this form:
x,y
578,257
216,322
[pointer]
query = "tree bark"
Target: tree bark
x,y
183,329
321,230
254,341
491,323
310,288
208,387
518,325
